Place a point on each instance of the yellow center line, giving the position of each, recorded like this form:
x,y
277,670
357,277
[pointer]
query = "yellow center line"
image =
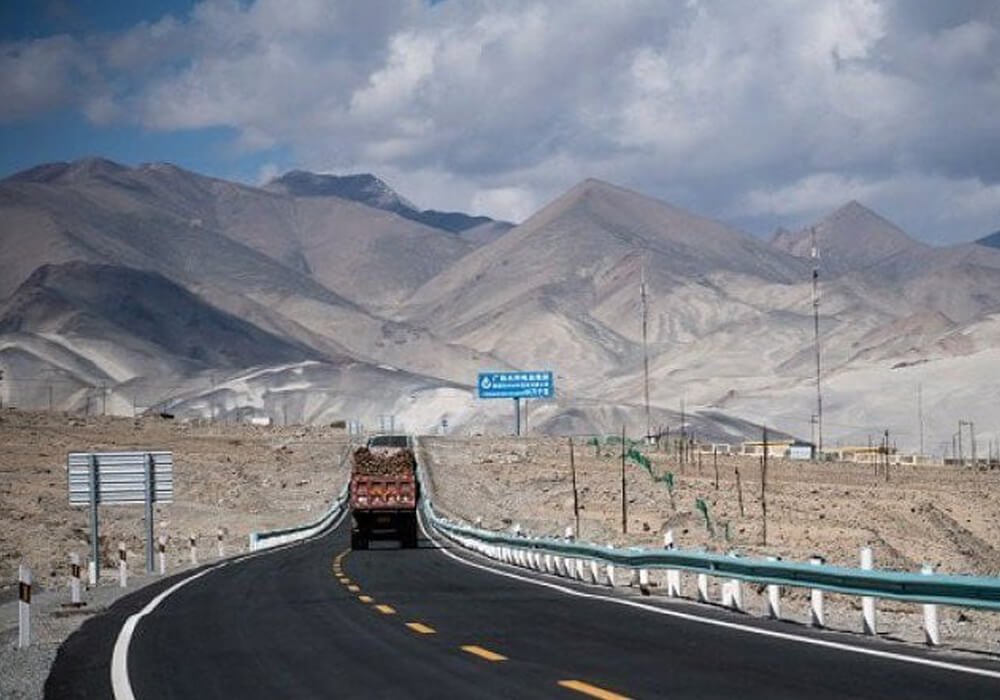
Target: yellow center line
x,y
344,580
483,653
591,690
420,628
354,588
386,609
365,598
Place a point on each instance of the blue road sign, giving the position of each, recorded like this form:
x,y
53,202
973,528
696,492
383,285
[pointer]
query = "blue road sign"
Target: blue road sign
x,y
515,385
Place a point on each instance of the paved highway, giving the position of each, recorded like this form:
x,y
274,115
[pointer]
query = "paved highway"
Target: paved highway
x,y
318,621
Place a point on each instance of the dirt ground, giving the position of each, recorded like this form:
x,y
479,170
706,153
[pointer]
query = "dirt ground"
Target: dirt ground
x,y
236,477
947,518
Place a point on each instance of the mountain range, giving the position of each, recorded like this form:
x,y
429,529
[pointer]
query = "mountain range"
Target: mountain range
x,y
319,297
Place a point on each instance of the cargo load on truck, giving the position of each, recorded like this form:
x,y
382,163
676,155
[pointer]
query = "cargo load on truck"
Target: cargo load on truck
x,y
384,492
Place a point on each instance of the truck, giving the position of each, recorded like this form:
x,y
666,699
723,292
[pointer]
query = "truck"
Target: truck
x,y
384,492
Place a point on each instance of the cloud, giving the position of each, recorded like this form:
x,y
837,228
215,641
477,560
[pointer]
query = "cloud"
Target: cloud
x,y
41,75
501,106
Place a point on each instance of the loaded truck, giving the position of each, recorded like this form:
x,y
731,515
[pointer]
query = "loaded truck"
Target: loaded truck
x,y
384,492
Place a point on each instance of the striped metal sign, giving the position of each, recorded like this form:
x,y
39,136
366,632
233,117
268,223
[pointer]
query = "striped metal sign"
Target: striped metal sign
x,y
121,477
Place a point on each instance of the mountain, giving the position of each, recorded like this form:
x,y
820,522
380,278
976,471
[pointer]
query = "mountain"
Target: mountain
x,y
127,308
851,238
373,192
992,240
313,300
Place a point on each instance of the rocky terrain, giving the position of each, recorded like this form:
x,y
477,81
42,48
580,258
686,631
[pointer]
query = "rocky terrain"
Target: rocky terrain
x,y
321,297
236,478
949,519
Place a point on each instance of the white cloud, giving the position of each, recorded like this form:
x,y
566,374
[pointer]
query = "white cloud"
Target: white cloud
x,y
40,75
476,103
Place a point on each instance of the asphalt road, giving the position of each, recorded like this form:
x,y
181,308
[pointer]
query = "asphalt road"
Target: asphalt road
x,y
318,621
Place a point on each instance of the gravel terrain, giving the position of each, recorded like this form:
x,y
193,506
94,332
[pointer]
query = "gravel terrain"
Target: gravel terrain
x,y
921,515
235,477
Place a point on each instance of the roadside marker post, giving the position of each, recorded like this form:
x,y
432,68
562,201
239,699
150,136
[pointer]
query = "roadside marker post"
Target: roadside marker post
x,y
74,578
163,554
868,623
702,588
932,633
23,606
773,598
193,539
816,616
122,565
221,545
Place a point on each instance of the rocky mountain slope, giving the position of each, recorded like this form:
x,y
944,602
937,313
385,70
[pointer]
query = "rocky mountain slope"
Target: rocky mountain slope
x,y
350,303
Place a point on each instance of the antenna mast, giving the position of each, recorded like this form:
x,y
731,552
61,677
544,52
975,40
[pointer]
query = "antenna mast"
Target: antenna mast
x,y
815,302
645,350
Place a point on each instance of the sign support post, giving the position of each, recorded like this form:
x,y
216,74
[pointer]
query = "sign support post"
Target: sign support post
x,y
95,550
517,416
149,514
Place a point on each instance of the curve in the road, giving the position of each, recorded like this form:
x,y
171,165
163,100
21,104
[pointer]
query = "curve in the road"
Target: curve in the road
x,y
317,620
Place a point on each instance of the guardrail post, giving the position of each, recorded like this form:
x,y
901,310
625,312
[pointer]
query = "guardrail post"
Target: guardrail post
x,y
703,588
673,575
221,545
193,540
773,598
931,630
610,570
595,573
644,581
253,541
23,606
547,563
162,547
816,615
579,569
122,565
74,578
868,623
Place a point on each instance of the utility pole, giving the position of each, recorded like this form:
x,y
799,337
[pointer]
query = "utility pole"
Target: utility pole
x,y
624,506
815,302
683,443
961,452
576,503
645,347
920,415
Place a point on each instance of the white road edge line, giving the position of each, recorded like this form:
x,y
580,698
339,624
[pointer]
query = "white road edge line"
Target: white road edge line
x,y
121,686
945,665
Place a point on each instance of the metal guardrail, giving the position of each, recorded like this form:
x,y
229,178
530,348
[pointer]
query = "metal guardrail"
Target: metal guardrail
x,y
956,590
273,538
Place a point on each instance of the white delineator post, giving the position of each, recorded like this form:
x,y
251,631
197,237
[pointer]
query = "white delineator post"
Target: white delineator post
x,y
74,578
162,549
703,588
122,565
673,575
23,606
773,597
221,545
193,540
868,623
931,631
816,616
92,572
610,570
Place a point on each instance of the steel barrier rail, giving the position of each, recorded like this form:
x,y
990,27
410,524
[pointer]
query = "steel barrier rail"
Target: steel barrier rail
x,y
956,590
273,538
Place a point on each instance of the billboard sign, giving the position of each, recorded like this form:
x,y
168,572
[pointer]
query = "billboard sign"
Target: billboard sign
x,y
516,385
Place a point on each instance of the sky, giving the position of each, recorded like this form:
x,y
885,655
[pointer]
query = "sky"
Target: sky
x,y
760,114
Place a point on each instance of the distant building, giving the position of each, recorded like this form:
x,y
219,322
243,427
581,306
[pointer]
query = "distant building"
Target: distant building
x,y
775,448
802,450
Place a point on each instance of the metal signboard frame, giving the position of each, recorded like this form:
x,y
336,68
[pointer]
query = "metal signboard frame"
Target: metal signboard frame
x,y
120,478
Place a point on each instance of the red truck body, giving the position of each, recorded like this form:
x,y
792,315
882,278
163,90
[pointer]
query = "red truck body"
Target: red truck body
x,y
384,492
